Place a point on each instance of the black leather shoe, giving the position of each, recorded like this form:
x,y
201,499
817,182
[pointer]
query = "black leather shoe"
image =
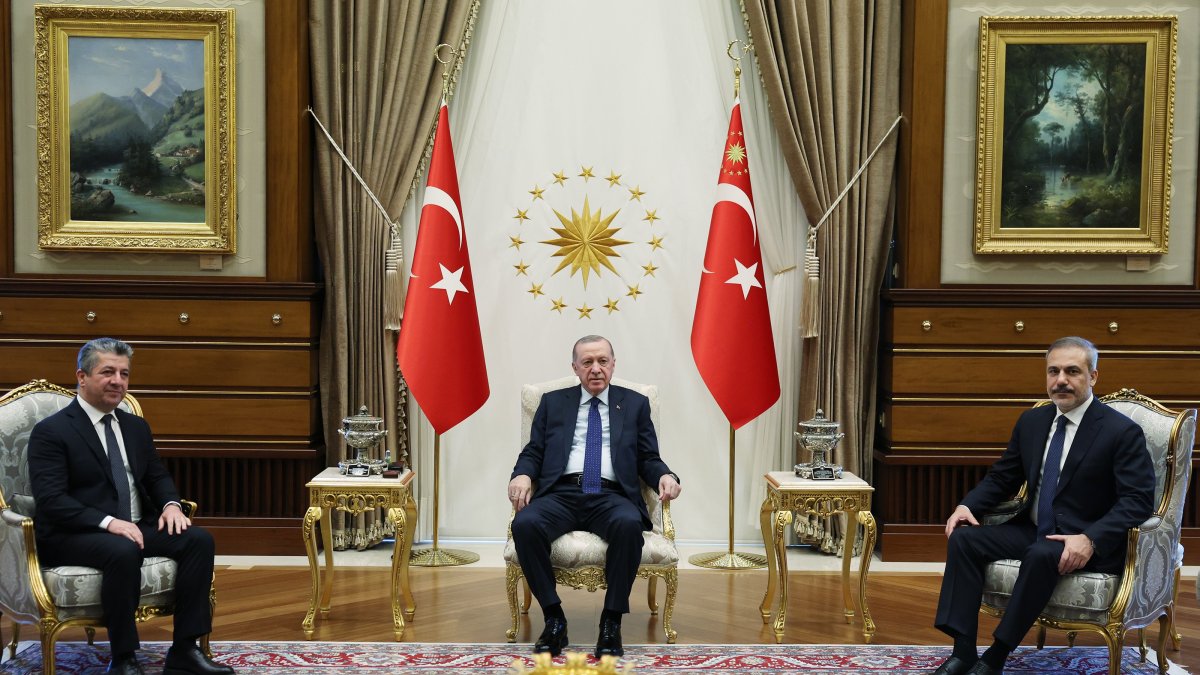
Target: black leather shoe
x,y
125,666
982,668
954,666
553,639
609,642
191,661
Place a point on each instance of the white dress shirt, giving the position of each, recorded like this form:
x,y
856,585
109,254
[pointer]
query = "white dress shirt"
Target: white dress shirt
x,y
1075,416
96,416
579,441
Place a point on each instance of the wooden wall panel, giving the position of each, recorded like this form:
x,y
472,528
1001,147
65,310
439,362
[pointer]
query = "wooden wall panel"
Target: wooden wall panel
x,y
246,417
181,317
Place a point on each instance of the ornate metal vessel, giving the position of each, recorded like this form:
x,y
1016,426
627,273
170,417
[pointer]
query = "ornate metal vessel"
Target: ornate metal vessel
x,y
362,431
819,436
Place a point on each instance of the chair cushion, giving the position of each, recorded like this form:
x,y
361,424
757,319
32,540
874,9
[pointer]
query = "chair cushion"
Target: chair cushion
x,y
1081,596
76,590
583,549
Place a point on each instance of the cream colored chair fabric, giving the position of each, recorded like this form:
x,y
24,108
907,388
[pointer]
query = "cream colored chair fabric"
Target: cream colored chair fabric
x,y
578,557
1112,604
56,598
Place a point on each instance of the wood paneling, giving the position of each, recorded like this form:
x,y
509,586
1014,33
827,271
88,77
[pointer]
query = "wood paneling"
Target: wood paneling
x,y
205,319
246,417
1038,327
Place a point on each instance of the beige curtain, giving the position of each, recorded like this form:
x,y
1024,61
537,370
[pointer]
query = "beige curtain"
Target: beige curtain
x,y
830,69
376,87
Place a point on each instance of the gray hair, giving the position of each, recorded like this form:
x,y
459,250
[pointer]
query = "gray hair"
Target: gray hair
x,y
588,339
90,353
1093,356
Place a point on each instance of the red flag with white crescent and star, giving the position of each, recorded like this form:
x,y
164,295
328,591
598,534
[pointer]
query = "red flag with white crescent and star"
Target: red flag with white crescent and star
x,y
440,350
731,334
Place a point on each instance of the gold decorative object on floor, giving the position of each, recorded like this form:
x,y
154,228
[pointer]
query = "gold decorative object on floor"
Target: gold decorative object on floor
x,y
729,559
576,664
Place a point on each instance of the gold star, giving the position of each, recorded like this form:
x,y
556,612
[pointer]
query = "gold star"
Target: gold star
x,y
522,215
585,312
586,241
634,292
560,177
650,269
651,216
557,305
611,305
516,242
536,191
535,290
735,153
585,172
614,178
521,267
636,193
655,242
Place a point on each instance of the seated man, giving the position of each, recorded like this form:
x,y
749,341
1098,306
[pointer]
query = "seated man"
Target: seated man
x,y
588,448
1090,479
105,500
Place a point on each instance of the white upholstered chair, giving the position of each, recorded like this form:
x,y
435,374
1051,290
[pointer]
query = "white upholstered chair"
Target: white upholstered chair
x,y
578,557
56,598
1112,604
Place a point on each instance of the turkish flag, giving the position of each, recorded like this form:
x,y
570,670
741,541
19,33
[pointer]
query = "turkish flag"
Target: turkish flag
x,y
731,334
440,351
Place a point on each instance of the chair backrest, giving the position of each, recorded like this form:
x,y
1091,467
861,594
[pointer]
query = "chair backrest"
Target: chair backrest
x,y
20,410
531,395
1169,438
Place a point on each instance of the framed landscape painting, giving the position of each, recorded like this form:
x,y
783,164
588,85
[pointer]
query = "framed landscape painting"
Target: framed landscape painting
x,y
136,141
1074,134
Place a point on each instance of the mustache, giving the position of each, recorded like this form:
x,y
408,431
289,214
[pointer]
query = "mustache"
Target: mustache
x,y
1062,390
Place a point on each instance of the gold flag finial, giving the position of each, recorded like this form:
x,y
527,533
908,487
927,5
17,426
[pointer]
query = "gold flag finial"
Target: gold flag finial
x,y
437,54
737,64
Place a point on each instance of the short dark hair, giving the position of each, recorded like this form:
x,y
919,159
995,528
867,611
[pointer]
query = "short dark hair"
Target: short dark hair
x,y
89,354
587,339
1093,356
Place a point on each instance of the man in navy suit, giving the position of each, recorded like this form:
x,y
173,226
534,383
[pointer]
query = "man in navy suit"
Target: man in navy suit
x,y
1090,480
111,507
589,449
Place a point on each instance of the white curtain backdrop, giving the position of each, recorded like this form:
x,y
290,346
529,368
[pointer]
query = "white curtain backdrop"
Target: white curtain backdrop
x,y
641,91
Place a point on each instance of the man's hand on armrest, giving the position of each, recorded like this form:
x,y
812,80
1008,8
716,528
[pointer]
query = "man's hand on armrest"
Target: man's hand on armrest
x,y
520,491
668,488
961,516
173,519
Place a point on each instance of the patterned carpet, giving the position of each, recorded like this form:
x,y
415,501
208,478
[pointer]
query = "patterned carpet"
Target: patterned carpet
x,y
336,658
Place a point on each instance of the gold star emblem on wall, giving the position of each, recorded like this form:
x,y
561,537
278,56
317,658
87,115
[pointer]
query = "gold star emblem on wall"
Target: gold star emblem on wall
x,y
636,193
651,216
611,305
558,305
560,178
522,215
537,192
634,292
655,242
516,242
613,179
585,312
586,241
521,267
535,290
585,172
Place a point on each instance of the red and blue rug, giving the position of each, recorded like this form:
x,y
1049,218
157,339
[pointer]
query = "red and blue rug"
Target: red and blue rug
x,y
402,658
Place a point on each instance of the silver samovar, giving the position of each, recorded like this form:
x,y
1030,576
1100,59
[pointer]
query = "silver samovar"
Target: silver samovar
x,y
819,436
362,431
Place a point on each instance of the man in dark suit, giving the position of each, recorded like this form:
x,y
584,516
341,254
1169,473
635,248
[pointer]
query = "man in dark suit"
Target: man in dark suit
x,y
1090,479
110,507
589,449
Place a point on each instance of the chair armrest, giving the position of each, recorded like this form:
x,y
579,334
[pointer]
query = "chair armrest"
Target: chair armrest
x,y
22,593
1002,512
190,508
668,524
1146,580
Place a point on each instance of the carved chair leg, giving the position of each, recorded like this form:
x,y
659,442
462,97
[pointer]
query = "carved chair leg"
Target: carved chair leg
x,y
1041,638
48,665
528,599
651,587
1070,637
512,576
1114,636
1142,645
12,646
1164,630
672,582
205,645
91,633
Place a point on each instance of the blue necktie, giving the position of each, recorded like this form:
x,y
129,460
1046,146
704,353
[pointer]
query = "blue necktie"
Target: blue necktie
x,y
591,450
1050,469
120,478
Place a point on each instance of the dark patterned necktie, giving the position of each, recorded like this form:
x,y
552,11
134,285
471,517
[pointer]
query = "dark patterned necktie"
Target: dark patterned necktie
x,y
120,478
1050,470
591,450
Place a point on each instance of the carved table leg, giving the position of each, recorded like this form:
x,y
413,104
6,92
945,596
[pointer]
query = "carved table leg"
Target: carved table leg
x,y
764,520
327,542
410,530
782,520
399,577
847,554
311,516
868,522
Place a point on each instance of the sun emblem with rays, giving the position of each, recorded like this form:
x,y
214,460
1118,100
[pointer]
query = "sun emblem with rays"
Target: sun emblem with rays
x,y
586,241
611,243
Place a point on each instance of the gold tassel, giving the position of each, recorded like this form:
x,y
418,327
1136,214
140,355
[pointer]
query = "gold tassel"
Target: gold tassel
x,y
392,287
810,303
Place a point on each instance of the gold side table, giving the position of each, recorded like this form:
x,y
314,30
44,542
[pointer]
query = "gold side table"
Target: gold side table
x,y
329,491
788,493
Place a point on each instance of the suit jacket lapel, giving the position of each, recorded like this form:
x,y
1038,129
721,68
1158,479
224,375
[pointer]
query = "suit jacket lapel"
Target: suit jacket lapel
x,y
132,450
616,420
82,424
570,401
1085,435
1034,445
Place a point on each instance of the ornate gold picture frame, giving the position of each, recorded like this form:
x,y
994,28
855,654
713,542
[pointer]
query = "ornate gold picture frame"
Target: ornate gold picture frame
x,y
136,142
1074,134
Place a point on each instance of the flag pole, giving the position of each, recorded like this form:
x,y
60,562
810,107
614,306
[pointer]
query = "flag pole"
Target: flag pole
x,y
729,559
435,556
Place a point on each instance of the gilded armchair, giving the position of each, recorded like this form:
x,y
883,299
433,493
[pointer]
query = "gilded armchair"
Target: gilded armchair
x,y
1113,604
578,557
55,598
